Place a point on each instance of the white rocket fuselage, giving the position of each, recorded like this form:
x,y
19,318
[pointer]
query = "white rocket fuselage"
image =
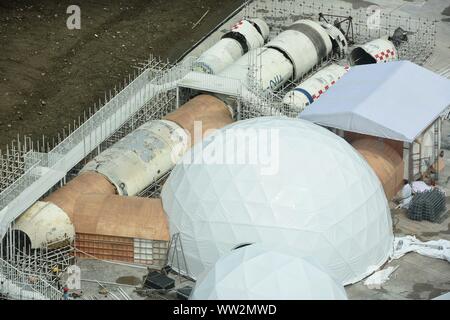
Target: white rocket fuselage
x,y
247,34
290,55
312,88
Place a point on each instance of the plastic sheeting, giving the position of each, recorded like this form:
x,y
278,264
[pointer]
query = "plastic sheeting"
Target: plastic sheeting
x,y
323,198
385,161
378,278
420,186
406,196
439,249
395,100
256,273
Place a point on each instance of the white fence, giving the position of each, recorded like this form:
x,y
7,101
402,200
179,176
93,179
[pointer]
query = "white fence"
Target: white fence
x,y
16,284
44,170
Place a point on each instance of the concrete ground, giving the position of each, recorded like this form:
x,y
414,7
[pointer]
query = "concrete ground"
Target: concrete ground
x,y
113,275
126,277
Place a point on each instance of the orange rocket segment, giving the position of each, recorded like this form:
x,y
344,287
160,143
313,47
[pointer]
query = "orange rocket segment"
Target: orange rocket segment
x,y
385,161
114,215
86,183
207,110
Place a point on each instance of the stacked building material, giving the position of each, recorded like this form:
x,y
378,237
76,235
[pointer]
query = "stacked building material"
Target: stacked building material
x,y
428,205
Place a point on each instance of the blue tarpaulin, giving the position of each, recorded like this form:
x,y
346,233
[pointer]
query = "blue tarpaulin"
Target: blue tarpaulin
x,y
396,100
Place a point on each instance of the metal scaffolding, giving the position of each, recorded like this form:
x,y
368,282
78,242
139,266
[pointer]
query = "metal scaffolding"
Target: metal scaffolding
x,y
280,13
32,273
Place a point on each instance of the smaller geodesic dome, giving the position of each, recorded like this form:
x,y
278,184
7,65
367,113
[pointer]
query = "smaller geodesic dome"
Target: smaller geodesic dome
x,y
256,273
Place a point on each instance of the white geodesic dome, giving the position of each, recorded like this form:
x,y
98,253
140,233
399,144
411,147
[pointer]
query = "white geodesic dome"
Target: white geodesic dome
x,y
316,195
256,273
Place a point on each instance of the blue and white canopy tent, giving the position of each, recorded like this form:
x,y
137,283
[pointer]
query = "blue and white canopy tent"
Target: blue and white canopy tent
x,y
395,100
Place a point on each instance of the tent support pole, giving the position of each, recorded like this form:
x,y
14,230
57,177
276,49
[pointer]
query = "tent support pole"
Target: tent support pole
x,y
410,163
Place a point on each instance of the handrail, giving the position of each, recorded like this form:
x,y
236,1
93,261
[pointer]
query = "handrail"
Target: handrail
x,y
18,278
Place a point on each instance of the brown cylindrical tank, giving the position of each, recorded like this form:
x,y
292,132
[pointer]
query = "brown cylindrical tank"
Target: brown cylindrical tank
x,y
85,183
385,161
114,215
350,137
91,202
212,112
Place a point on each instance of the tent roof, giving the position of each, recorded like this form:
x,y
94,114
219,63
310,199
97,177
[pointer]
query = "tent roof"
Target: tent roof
x,y
396,100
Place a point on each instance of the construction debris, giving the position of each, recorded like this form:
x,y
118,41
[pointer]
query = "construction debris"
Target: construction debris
x,y
157,280
76,294
378,278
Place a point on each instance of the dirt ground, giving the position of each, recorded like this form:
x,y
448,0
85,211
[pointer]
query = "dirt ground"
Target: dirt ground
x,y
49,74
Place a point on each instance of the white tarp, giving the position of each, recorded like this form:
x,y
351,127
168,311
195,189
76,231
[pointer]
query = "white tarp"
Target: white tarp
x,y
420,186
407,195
439,249
396,100
378,278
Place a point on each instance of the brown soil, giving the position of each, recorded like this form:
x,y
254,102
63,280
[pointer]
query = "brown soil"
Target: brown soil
x,y
49,74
